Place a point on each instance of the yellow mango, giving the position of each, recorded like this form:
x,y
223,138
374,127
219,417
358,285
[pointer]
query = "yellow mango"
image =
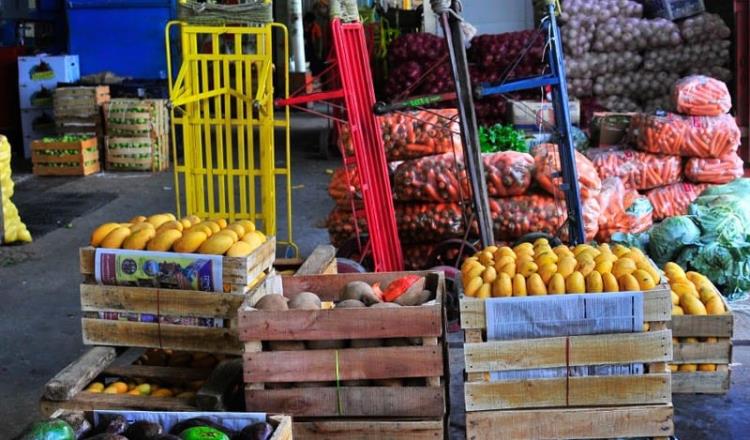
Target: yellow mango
x,y
509,268
574,283
706,293
186,223
656,275
230,233
619,250
472,271
138,240
222,222
472,287
609,283
190,242
503,285
489,274
566,265
706,367
200,227
646,326
137,219
491,249
247,224
715,306
594,283
605,257
634,254
645,282
505,251
556,285
519,285
677,310
238,229
562,251
213,225
158,219
194,219
527,268
240,249
162,392
541,249
524,258
684,288
695,277
484,291
604,248
101,232
172,224
546,271
486,258
535,285
711,340
687,368
163,241
674,272
628,283
581,248
256,239
523,247
675,298
502,261
546,257
540,241
623,266
114,239
604,267
585,267
692,305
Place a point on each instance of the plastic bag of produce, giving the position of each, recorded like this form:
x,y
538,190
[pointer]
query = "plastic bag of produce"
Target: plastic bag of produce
x,y
416,256
699,95
637,84
703,27
621,34
674,199
637,169
423,222
694,136
499,50
342,189
668,237
508,173
341,226
438,178
720,170
687,57
547,160
420,133
622,210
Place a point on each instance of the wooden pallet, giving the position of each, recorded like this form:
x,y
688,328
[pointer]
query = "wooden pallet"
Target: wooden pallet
x,y
137,135
327,429
720,353
264,370
81,163
66,391
238,273
572,406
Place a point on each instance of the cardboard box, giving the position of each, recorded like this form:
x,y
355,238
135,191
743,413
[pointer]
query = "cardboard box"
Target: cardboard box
x,y
36,124
673,9
528,115
610,128
39,72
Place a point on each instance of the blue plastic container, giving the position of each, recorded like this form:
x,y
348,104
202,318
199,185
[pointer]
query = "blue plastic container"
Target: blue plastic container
x,y
125,37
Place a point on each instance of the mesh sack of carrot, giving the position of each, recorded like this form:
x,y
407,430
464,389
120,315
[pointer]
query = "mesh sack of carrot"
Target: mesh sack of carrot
x,y
508,173
637,169
674,199
548,175
342,188
719,170
438,178
694,136
422,222
416,255
341,227
699,95
622,210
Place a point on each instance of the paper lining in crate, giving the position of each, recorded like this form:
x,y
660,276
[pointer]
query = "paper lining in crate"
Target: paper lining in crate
x,y
137,135
65,156
167,299
546,376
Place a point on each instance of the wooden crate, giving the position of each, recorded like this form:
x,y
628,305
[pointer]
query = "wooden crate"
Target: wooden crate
x,y
83,162
66,391
80,102
573,406
322,261
137,135
328,429
265,370
237,274
720,353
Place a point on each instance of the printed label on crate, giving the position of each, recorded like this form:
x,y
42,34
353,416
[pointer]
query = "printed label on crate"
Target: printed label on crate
x,y
168,270
174,320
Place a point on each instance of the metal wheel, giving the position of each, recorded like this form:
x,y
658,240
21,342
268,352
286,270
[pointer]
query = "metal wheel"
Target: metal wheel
x,y
351,250
451,253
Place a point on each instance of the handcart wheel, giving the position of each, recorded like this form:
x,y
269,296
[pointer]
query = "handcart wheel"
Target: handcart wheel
x,y
533,236
345,265
451,252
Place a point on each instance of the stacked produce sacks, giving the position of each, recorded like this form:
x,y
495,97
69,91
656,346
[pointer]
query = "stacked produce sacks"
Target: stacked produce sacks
x,y
432,192
630,63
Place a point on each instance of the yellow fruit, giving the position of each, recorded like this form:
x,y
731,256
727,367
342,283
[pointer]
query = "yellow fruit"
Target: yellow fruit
x,y
706,367
255,240
121,387
202,228
601,258
527,268
172,224
491,249
690,340
604,267
562,250
524,258
542,248
484,291
594,283
186,223
619,250
221,222
170,215
695,277
609,283
644,279
673,368
566,265
585,267
229,233
692,305
677,310
111,390
95,387
216,245
574,283
523,247
509,268
684,287
213,225
541,240
546,257
675,298
646,326
247,224
503,285
623,266
556,285
114,239
633,254
164,241
101,232
257,234
519,285
715,306
472,287
137,241
238,229
240,249
158,219
137,219
604,249
581,248
505,251
656,275
711,340
687,368
140,226
535,285
134,392
486,258
144,389
473,271
162,392
194,219
502,261
489,275
674,272
190,242
628,283
546,271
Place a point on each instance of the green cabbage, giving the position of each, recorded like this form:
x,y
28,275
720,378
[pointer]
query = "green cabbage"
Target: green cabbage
x,y
727,265
669,237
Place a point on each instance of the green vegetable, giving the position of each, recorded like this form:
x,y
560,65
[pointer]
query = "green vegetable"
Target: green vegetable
x,y
580,140
54,429
668,237
203,433
501,137
726,264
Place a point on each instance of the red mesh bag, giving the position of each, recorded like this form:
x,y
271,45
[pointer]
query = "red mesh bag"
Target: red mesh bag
x,y
699,95
622,210
637,169
547,162
674,199
694,136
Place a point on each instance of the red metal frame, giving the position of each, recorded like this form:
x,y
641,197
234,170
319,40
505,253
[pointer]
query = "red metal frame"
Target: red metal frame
x,y
353,64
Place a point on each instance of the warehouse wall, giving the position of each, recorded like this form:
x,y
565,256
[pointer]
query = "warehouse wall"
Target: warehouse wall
x,y
496,16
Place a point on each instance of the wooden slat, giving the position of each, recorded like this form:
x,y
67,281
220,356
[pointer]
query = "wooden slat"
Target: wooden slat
x,y
353,364
363,323
176,337
522,354
86,401
349,401
73,378
571,423
656,307
330,287
319,262
175,375
714,382
364,430
283,427
703,352
96,297
687,326
572,391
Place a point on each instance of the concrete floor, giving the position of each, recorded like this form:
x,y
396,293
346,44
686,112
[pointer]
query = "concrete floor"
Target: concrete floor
x,y
39,303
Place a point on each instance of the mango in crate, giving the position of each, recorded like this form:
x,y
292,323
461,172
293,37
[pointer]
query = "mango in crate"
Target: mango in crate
x,y
693,293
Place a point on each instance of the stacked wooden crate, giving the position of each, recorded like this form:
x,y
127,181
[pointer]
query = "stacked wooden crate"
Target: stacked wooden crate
x,y
137,135
569,407
387,390
78,110
65,157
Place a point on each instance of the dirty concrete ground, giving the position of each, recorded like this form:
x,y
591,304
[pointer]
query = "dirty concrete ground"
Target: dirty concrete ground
x,y
39,302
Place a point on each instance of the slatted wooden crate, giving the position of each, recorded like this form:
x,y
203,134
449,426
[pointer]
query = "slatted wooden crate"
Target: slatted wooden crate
x,y
78,110
571,406
137,135
76,158
238,273
719,353
66,391
304,383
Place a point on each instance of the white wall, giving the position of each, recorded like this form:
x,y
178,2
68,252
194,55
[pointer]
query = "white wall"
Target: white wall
x,y
497,16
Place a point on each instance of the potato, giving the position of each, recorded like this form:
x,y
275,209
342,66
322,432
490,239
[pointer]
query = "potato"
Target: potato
x,y
414,298
305,301
384,305
350,304
274,302
360,291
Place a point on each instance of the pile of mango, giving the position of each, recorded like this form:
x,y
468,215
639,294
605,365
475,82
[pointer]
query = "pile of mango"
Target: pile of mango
x,y
139,387
539,269
693,293
13,228
164,232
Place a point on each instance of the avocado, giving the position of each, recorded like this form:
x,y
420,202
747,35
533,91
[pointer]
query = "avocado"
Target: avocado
x,y
54,429
143,431
203,433
256,431
184,425
111,424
